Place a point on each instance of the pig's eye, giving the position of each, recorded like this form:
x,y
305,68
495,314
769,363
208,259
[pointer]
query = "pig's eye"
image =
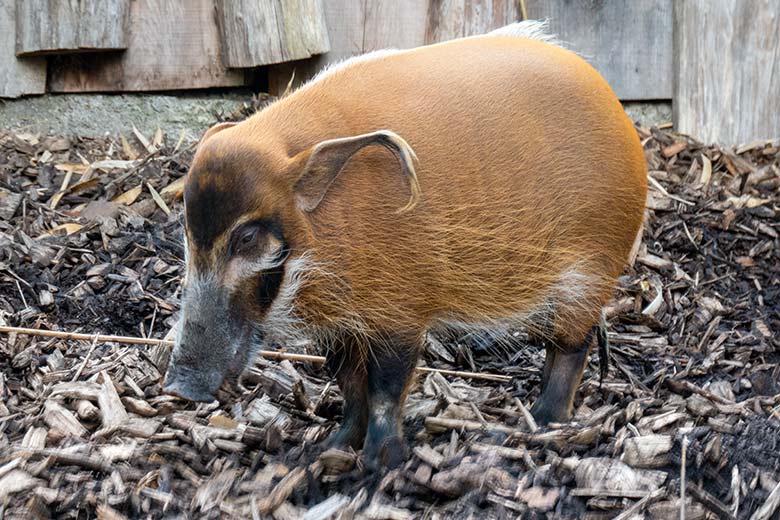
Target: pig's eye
x,y
245,239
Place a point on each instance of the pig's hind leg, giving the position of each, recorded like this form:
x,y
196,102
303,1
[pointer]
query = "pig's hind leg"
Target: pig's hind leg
x,y
346,363
563,368
391,366
576,324
573,333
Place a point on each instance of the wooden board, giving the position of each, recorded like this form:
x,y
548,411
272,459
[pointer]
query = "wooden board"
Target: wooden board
x,y
628,42
173,45
17,76
397,24
261,33
728,69
359,26
47,26
344,21
448,19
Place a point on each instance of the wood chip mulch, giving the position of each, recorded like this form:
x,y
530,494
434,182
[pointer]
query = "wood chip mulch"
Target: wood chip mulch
x,y
90,241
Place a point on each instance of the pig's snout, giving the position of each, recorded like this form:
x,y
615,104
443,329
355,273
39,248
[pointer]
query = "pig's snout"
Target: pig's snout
x,y
192,383
213,342
206,350
181,389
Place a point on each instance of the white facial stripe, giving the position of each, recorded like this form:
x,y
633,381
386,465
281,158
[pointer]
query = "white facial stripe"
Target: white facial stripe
x,y
241,270
281,322
253,267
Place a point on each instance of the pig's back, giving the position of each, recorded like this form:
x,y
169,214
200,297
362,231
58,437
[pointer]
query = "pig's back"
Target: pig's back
x,y
486,113
527,163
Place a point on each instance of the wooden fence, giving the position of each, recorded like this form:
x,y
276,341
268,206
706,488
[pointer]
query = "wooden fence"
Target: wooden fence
x,y
713,58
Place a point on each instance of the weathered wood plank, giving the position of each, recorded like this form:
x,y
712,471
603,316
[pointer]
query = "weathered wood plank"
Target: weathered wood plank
x,y
359,26
727,69
261,33
344,21
629,43
173,45
302,27
103,24
51,26
448,19
398,24
17,76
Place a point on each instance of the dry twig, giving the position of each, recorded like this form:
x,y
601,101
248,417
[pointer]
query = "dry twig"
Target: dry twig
x,y
270,354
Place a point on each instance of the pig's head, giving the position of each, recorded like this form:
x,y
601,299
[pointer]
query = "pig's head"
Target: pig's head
x,y
247,206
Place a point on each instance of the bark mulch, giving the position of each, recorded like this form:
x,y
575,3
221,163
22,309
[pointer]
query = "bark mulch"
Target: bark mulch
x,y
90,241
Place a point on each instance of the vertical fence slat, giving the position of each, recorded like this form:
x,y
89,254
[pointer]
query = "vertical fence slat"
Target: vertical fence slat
x,y
261,33
628,42
727,69
18,76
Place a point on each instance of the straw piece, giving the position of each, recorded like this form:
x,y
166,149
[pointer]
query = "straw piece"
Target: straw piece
x,y
77,336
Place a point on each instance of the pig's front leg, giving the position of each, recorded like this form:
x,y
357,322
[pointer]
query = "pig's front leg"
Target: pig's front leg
x,y
345,362
390,370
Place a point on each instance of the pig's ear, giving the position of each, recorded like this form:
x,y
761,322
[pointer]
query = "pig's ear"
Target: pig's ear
x,y
214,129
323,163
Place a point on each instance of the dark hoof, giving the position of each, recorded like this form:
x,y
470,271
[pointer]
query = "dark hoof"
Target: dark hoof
x,y
389,453
545,414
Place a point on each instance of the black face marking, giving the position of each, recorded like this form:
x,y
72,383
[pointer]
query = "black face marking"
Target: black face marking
x,y
270,280
268,286
275,228
217,193
210,212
